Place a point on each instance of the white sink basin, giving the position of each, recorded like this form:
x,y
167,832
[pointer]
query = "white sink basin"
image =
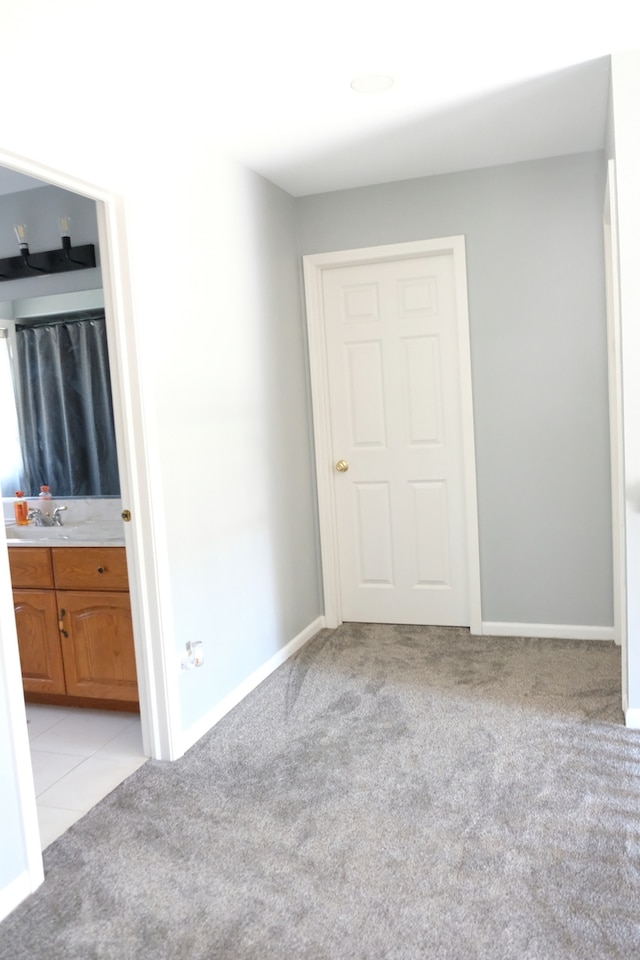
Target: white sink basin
x,y
15,531
88,531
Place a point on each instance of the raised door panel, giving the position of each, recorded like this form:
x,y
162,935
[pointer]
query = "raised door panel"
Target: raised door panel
x,y
421,383
31,567
39,641
90,568
365,391
98,651
392,353
431,530
373,539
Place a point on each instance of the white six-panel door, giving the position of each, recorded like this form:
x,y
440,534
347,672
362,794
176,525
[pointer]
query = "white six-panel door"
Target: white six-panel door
x,y
395,439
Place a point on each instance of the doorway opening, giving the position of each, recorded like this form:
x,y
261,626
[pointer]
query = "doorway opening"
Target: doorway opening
x,y
157,694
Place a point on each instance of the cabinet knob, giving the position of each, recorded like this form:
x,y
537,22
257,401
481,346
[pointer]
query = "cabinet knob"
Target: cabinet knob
x,y
100,569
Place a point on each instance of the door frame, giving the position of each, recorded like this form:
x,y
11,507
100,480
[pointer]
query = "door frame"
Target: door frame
x,y
313,267
146,560
614,353
159,701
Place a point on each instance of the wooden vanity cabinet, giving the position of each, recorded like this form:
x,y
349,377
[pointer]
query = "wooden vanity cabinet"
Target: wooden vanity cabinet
x,y
31,567
89,568
75,635
37,620
93,667
39,641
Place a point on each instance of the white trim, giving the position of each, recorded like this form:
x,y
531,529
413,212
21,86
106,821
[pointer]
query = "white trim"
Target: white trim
x,y
157,681
20,774
313,265
468,434
156,672
556,631
159,703
137,453
204,724
17,891
632,718
616,431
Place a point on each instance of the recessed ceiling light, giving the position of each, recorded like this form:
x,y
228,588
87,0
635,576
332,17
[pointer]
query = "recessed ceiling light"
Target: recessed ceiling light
x,y
372,83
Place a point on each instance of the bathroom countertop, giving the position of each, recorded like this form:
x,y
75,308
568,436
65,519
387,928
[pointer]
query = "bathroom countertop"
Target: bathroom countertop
x,y
86,522
59,542
85,534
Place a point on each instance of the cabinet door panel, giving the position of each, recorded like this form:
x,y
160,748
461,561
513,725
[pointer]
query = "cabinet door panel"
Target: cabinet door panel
x,y
39,641
98,651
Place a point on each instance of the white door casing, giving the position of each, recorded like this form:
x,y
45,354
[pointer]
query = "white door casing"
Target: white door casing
x,y
391,386
614,355
159,702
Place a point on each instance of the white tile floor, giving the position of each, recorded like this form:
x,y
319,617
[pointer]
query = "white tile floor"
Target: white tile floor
x,y
78,757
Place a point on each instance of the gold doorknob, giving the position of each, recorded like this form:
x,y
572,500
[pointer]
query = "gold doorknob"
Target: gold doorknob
x,y
342,466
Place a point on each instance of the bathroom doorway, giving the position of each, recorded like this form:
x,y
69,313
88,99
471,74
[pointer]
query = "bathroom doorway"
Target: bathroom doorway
x,y
132,445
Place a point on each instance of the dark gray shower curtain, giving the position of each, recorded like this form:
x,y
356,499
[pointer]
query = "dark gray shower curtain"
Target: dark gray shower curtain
x,y
68,436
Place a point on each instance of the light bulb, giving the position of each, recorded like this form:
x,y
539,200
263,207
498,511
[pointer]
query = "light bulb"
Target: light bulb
x,y
64,225
21,234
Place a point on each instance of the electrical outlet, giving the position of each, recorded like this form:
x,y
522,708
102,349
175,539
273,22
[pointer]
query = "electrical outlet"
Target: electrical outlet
x,y
195,655
197,652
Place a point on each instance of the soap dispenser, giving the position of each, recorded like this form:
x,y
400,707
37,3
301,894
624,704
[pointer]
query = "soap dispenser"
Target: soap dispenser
x,y
44,493
21,509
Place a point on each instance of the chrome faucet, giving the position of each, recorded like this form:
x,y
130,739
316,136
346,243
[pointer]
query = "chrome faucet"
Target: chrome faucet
x,y
56,519
44,520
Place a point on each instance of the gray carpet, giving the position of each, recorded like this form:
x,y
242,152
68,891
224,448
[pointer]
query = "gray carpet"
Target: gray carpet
x,y
390,792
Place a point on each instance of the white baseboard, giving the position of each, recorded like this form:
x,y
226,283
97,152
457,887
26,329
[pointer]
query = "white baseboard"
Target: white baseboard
x,y
18,890
555,631
198,730
632,718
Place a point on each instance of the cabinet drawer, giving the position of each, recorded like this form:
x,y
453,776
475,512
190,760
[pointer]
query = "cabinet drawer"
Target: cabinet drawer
x,y
31,567
90,568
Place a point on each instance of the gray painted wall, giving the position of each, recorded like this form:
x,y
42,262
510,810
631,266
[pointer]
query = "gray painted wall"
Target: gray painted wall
x,y
539,361
232,396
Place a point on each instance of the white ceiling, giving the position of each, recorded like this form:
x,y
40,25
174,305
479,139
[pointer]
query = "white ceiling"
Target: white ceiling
x,y
476,83
558,113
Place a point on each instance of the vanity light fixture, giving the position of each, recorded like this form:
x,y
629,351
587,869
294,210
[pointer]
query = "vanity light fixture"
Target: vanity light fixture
x,y
21,235
64,226
50,261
